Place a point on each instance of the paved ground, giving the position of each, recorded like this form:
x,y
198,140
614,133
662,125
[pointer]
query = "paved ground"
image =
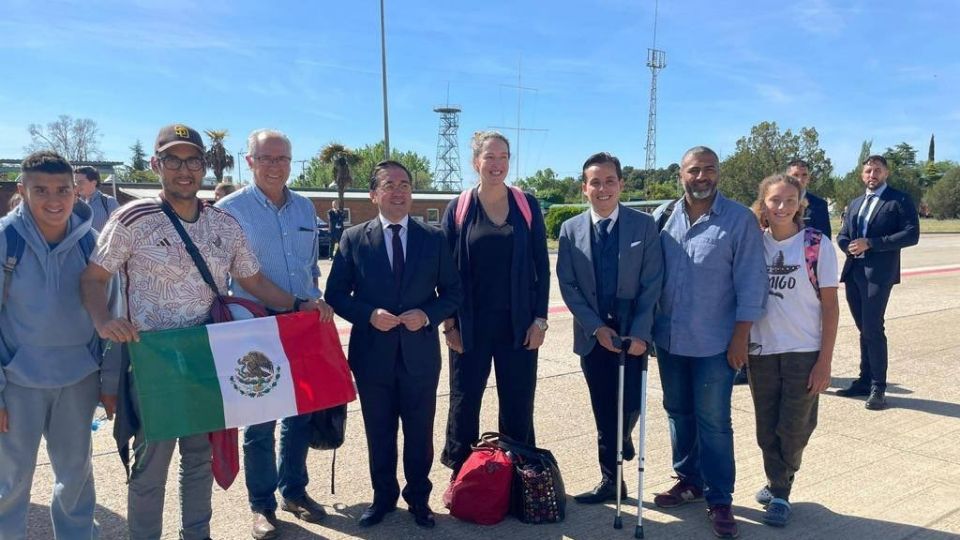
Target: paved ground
x,y
890,474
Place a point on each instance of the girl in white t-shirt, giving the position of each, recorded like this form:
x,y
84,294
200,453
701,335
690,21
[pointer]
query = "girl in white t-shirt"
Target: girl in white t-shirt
x,y
792,345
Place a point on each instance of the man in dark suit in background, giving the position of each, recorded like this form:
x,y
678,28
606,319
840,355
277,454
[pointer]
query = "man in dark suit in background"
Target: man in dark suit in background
x,y
394,279
818,213
875,228
609,252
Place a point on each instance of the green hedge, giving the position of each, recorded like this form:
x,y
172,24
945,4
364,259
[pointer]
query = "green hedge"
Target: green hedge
x,y
556,216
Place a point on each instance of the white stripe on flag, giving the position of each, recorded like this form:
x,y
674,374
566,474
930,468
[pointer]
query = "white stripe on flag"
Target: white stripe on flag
x,y
246,404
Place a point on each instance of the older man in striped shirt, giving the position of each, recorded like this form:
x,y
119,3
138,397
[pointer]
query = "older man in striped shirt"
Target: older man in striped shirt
x,y
281,228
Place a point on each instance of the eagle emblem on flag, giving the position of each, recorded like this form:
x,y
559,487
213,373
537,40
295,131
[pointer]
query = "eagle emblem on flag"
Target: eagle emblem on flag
x,y
255,375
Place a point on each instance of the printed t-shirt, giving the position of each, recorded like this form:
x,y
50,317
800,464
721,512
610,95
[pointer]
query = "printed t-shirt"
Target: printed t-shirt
x,y
792,321
161,284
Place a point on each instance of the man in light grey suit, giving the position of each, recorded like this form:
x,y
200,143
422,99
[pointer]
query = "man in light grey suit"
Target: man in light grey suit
x,y
607,253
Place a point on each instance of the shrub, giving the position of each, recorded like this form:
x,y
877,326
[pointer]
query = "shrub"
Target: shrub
x,y
943,198
557,215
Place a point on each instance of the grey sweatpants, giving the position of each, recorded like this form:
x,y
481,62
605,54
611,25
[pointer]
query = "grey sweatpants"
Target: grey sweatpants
x,y
62,416
786,414
148,479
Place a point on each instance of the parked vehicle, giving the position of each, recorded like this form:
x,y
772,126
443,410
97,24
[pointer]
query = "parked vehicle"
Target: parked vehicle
x,y
323,239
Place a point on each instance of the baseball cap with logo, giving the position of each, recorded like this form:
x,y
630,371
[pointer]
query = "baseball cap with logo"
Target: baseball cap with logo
x,y
177,134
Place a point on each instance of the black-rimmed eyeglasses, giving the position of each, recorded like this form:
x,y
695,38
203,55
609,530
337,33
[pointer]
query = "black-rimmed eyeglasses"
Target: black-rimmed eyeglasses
x,y
174,163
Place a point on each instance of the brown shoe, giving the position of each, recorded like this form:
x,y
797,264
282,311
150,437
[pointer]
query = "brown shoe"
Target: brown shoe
x,y
305,509
681,493
722,520
264,525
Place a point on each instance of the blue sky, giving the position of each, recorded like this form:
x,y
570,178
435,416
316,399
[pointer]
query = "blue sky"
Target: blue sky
x,y
855,70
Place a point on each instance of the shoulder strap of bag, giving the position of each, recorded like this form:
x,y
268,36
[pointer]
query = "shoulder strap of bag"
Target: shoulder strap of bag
x,y
191,247
665,211
465,199
15,248
811,254
87,244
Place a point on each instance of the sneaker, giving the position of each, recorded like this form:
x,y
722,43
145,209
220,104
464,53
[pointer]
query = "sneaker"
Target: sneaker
x,y
764,496
724,524
681,493
778,513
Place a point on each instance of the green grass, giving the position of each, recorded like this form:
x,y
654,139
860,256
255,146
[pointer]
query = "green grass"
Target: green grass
x,y
927,225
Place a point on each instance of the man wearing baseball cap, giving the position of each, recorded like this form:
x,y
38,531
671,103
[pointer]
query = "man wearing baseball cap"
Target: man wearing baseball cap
x,y
165,290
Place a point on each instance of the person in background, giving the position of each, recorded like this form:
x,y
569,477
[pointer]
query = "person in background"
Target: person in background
x,y
878,224
222,190
87,180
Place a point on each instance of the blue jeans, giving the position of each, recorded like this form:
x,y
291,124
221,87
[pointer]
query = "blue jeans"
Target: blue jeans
x,y
696,396
265,473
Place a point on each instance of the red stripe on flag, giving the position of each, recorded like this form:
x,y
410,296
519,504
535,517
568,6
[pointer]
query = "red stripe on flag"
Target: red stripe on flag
x,y
318,367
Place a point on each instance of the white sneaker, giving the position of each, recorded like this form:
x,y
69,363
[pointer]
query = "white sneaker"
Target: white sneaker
x,y
764,496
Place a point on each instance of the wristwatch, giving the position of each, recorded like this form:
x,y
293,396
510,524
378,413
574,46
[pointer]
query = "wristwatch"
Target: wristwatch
x,y
541,323
297,301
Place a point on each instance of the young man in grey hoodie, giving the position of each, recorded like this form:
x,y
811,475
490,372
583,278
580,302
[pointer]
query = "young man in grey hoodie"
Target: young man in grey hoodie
x,y
53,372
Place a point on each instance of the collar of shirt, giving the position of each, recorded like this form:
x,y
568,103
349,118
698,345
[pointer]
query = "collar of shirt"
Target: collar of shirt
x,y
94,195
385,223
264,200
595,217
719,202
879,191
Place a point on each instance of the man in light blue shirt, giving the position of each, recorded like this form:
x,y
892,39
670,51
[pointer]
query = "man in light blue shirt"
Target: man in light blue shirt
x,y
715,287
87,181
281,228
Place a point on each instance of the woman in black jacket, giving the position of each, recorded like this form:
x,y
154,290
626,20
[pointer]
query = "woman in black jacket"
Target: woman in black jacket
x,y
498,238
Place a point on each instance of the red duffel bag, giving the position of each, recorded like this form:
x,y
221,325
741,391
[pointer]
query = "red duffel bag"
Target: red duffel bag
x,y
481,491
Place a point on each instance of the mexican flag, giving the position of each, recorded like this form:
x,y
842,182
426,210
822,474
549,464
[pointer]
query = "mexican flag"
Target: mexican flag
x,y
239,373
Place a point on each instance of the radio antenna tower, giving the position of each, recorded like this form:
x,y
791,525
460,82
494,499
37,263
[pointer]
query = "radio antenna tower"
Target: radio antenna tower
x,y
656,60
447,172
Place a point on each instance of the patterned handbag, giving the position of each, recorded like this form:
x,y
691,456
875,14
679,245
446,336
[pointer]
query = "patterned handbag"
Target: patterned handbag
x,y
538,492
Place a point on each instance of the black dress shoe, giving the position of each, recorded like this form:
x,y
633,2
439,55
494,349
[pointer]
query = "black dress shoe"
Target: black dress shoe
x,y
857,388
422,515
605,491
374,514
877,400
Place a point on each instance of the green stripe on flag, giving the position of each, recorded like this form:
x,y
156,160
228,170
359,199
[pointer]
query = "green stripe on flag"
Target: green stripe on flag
x,y
177,385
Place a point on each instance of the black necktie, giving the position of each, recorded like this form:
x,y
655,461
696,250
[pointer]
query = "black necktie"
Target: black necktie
x,y
397,252
603,230
864,214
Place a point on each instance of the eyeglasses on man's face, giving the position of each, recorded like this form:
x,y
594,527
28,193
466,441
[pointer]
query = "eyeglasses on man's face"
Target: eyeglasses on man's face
x,y
174,163
270,160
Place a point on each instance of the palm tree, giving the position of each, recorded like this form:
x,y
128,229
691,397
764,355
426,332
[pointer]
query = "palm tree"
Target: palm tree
x,y
342,158
217,156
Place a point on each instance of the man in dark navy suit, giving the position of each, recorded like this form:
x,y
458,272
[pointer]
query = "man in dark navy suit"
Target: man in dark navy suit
x,y
817,214
394,279
875,228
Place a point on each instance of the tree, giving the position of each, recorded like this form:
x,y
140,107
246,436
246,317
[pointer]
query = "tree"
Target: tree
x,y
851,185
548,187
943,199
77,139
138,161
320,173
767,151
901,155
657,191
931,150
217,156
341,159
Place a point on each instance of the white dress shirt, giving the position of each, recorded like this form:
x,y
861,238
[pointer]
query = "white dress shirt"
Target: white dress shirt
x,y
388,235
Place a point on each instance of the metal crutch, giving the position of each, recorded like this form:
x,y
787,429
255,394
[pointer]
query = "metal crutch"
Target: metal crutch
x,y
638,532
623,309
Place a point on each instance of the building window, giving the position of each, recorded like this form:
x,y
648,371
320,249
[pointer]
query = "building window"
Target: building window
x,y
433,216
346,216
